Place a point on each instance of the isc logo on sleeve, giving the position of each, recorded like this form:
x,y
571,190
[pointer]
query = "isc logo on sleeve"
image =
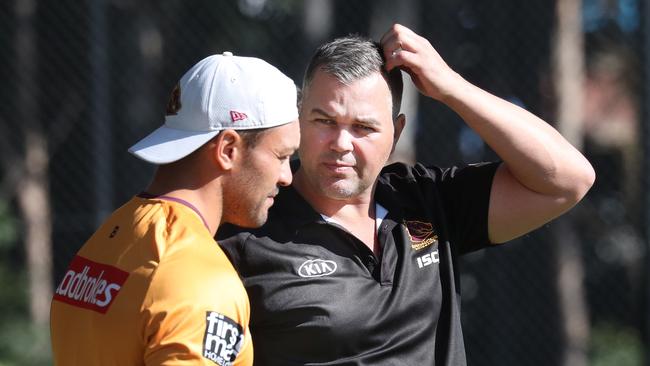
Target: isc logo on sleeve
x,y
428,259
223,339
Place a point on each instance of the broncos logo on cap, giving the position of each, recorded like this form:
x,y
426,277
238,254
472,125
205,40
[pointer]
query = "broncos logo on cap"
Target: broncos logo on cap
x,y
174,104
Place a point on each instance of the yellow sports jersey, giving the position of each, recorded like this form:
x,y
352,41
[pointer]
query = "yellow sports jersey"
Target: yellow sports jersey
x,y
151,287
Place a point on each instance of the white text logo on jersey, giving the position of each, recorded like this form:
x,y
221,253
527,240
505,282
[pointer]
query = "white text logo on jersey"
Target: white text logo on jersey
x,y
223,339
316,268
428,259
90,285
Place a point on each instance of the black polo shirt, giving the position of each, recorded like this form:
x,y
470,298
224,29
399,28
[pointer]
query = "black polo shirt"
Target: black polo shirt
x,y
319,296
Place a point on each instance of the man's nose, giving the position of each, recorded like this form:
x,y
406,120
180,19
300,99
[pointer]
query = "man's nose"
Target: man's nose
x,y
286,176
342,140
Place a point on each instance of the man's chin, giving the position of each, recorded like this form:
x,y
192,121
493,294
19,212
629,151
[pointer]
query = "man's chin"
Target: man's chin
x,y
251,222
340,192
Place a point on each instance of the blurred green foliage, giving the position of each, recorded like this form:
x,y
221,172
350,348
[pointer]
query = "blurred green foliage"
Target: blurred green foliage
x,y
21,342
615,345
8,229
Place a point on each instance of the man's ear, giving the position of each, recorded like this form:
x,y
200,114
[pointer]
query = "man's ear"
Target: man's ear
x,y
398,125
227,149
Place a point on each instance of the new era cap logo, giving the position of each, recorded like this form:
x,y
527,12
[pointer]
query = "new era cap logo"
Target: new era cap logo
x,y
237,116
174,104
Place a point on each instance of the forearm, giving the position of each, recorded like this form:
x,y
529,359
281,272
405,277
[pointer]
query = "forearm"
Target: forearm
x,y
535,153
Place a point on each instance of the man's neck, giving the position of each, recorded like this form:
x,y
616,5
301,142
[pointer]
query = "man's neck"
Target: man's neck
x,y
356,207
208,205
355,214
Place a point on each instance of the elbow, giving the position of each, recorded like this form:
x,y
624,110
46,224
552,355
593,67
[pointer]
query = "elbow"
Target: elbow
x,y
581,182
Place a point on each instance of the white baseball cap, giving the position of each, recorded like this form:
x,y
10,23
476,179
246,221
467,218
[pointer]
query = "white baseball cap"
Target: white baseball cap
x,y
219,92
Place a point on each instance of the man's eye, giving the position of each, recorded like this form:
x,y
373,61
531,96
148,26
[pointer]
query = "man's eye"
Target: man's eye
x,y
365,128
325,121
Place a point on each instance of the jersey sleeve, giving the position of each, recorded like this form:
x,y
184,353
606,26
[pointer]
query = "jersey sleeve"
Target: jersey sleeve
x,y
465,193
196,312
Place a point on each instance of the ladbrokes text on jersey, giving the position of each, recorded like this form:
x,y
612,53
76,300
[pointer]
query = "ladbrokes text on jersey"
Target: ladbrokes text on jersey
x,y
90,285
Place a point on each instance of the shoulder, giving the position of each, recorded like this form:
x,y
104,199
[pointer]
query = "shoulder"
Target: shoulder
x,y
192,263
404,173
197,301
194,280
193,290
404,179
419,184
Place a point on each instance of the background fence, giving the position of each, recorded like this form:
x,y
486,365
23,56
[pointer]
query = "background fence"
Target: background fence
x,y
83,80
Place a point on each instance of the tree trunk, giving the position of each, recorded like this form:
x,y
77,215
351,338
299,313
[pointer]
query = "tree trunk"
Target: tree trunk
x,y
32,191
34,203
102,134
317,20
568,79
569,70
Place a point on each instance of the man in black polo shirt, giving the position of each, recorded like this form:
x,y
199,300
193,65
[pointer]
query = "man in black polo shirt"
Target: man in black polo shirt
x,y
357,264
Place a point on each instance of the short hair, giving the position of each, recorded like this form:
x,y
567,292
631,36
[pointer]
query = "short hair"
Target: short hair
x,y
352,58
252,137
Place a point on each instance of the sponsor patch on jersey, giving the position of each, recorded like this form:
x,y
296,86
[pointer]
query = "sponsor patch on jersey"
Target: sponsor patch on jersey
x,y
428,259
223,339
316,268
420,234
90,285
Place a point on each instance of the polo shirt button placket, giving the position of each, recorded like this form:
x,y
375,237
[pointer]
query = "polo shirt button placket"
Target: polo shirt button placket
x,y
371,263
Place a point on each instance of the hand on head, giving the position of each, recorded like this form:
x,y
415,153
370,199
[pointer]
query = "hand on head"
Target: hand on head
x,y
412,53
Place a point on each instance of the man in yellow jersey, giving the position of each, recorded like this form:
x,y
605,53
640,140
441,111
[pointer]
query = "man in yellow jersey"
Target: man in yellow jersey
x,y
151,287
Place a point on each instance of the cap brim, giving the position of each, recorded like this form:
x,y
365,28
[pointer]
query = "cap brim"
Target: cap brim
x,y
167,145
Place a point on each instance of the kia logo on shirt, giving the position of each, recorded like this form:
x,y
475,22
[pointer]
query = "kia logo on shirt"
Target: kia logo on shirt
x,y
316,268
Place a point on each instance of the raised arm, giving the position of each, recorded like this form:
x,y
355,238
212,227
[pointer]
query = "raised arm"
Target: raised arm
x,y
542,175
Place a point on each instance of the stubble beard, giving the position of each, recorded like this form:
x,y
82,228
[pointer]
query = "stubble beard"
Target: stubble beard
x,y
247,213
244,211
341,188
258,216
